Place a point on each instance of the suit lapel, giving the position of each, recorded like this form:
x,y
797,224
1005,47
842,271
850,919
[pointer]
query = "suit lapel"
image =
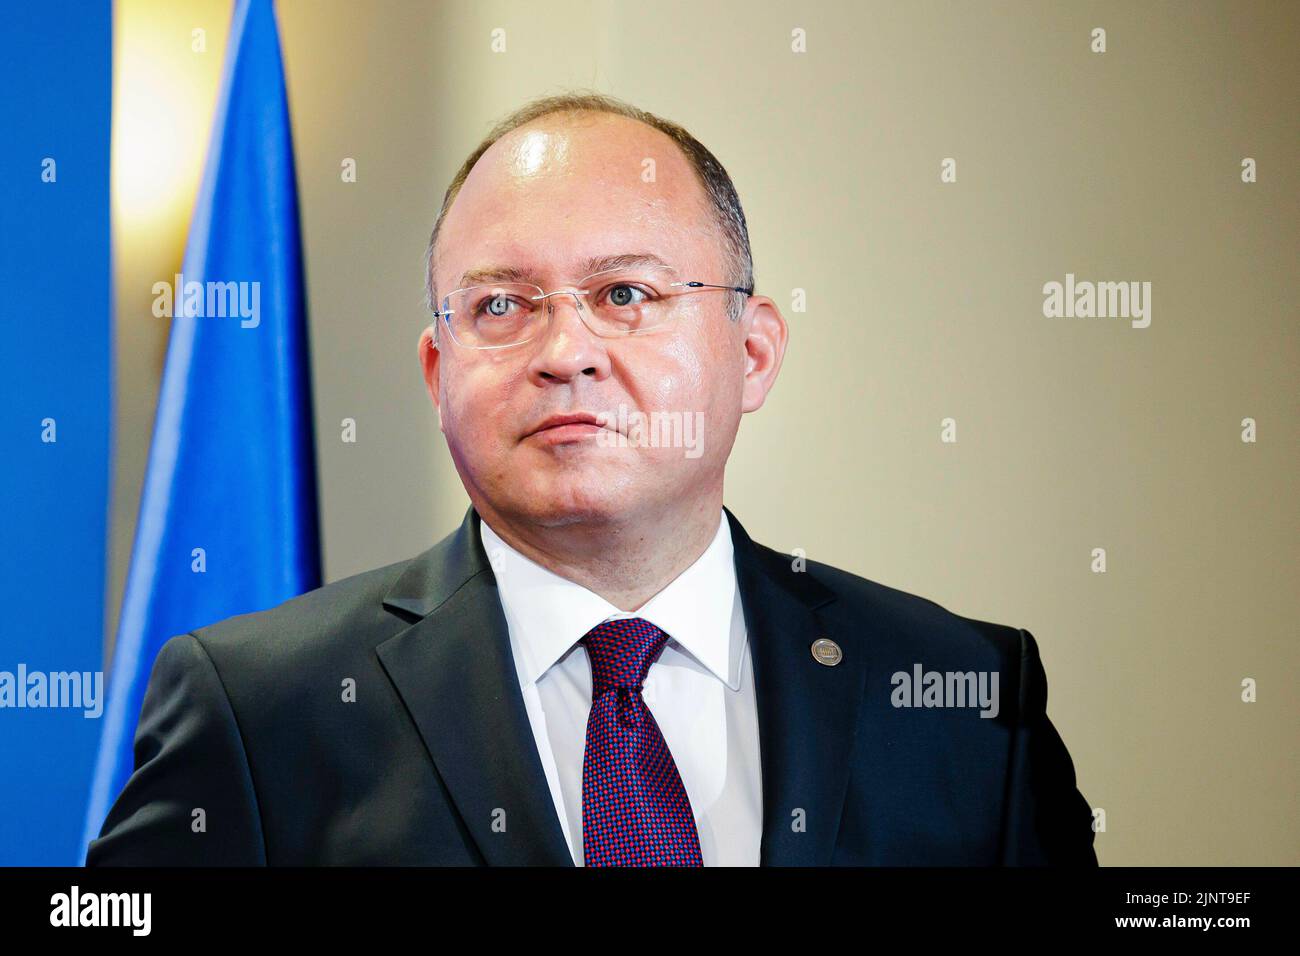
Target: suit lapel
x,y
807,711
455,672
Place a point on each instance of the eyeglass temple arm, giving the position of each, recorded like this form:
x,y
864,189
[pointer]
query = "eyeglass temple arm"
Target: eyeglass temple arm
x,y
709,285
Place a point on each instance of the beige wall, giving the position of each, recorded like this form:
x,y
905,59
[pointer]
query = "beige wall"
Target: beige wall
x,y
924,301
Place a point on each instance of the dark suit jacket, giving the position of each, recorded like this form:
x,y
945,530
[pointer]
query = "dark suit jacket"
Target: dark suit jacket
x,y
248,721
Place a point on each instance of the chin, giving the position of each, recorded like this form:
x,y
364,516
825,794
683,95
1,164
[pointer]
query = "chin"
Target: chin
x,y
570,500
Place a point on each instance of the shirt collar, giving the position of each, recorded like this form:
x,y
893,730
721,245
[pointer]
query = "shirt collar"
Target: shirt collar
x,y
699,609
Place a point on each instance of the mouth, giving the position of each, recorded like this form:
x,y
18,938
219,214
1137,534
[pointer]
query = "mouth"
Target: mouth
x,y
573,427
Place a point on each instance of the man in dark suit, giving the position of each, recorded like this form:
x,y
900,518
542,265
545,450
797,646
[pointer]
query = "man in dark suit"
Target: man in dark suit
x,y
599,666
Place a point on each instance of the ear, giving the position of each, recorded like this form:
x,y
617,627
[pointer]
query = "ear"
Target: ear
x,y
431,365
765,339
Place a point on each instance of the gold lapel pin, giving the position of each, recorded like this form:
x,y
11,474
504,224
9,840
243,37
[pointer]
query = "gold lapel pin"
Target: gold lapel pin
x,y
826,651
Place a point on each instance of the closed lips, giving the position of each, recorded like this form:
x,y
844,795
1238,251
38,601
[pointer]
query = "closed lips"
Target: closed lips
x,y
555,421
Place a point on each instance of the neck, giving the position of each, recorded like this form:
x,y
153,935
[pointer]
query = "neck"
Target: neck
x,y
626,559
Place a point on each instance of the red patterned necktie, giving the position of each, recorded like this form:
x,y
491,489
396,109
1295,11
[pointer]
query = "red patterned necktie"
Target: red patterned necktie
x,y
635,811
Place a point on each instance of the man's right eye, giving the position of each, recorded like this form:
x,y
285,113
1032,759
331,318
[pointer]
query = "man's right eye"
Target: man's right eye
x,y
494,307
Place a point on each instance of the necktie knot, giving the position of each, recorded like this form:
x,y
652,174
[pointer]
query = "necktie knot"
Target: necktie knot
x,y
621,652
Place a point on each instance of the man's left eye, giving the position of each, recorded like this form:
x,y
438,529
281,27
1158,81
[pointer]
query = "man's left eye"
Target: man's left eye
x,y
622,295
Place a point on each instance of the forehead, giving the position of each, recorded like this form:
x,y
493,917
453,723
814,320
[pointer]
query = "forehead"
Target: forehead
x,y
558,193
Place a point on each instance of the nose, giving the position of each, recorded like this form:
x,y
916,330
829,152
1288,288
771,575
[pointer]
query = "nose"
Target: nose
x,y
566,348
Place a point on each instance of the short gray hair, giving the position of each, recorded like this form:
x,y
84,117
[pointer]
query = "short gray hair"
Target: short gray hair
x,y
727,212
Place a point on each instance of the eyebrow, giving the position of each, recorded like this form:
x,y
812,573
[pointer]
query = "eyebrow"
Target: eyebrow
x,y
589,267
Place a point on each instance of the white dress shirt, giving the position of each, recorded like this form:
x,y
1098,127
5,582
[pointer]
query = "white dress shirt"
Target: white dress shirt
x,y
700,690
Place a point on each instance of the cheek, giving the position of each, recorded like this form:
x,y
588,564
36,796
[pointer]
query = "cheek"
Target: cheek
x,y
672,378
693,373
475,409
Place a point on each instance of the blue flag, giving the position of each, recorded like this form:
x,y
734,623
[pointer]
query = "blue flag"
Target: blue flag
x,y
227,520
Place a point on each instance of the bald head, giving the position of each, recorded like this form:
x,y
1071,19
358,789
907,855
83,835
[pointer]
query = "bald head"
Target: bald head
x,y
594,184
602,140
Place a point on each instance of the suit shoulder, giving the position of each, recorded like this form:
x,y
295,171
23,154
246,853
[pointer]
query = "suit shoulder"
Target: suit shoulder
x,y
345,612
891,611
